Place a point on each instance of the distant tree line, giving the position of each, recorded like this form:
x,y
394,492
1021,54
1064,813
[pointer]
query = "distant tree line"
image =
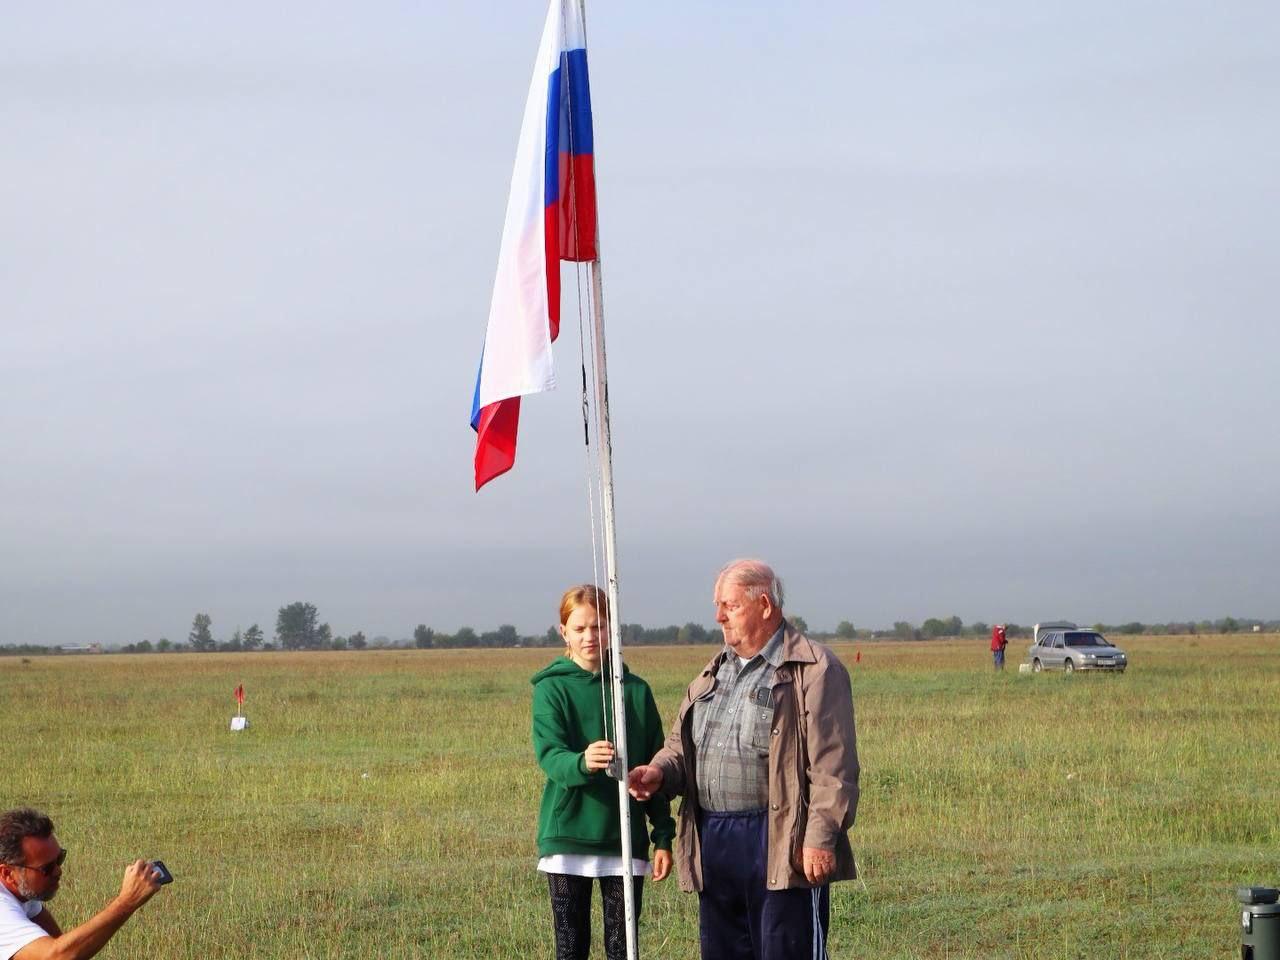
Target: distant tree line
x,y
1190,627
298,627
935,628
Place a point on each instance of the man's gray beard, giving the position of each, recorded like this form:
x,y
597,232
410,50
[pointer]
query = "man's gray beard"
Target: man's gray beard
x,y
25,892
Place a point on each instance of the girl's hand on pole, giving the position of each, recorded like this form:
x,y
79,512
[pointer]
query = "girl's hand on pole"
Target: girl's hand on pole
x,y
661,865
597,756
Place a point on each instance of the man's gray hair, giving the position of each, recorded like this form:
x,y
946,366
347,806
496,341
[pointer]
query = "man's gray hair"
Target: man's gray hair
x,y
16,826
755,577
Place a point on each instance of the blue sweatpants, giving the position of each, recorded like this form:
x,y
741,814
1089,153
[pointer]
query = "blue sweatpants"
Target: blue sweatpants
x,y
739,917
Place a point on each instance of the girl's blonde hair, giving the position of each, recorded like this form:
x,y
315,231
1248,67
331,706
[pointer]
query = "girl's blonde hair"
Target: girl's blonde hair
x,y
587,593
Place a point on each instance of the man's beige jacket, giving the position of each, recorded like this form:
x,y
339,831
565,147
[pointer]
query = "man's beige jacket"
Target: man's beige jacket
x,y
813,765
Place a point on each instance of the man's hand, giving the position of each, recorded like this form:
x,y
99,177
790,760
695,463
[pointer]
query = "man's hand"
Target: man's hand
x,y
819,865
661,865
597,755
139,885
644,781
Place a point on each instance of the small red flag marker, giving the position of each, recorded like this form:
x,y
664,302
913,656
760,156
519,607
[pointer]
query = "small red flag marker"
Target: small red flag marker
x,y
239,721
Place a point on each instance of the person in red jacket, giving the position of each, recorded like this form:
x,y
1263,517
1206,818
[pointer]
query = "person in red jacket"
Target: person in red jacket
x,y
998,642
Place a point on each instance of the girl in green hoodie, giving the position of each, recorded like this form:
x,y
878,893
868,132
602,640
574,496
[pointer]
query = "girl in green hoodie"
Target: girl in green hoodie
x,y
579,832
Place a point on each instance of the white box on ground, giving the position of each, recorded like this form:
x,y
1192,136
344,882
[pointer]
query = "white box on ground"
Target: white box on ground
x,y
239,723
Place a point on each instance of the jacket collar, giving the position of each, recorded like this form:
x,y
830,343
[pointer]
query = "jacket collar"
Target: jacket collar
x,y
796,648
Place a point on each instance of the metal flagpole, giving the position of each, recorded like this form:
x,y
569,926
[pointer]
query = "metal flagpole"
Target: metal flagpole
x,y
620,764
615,628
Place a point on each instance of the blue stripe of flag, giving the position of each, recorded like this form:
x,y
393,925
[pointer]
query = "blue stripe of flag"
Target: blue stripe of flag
x,y
573,126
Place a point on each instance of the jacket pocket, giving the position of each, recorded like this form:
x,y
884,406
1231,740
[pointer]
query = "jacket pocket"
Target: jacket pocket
x,y
567,806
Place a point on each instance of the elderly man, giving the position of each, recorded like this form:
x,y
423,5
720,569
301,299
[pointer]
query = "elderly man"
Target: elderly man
x,y
30,872
765,754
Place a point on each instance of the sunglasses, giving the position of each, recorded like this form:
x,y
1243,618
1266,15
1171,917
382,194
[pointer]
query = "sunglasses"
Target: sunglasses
x,y
48,868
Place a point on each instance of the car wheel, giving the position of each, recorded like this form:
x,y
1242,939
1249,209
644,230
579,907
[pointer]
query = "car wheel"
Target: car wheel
x,y
1068,666
1035,665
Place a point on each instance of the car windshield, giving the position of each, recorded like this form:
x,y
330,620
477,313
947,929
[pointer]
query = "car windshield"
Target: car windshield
x,y
1086,640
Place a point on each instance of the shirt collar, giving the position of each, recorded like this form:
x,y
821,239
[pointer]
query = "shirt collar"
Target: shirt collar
x,y
24,904
773,649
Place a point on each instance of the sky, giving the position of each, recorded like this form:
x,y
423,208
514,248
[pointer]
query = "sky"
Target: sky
x,y
940,308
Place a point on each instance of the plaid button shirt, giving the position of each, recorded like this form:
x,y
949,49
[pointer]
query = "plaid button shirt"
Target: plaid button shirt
x,y
732,732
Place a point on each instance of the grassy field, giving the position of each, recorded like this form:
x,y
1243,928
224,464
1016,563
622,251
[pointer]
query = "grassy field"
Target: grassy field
x,y
383,803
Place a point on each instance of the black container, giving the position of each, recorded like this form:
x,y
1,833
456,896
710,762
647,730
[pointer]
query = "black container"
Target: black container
x,y
1259,923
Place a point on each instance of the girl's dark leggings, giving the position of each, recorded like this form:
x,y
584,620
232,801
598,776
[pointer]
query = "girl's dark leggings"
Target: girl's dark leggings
x,y
571,915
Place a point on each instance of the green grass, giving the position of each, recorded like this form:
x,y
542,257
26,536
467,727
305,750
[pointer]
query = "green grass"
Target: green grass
x,y
384,803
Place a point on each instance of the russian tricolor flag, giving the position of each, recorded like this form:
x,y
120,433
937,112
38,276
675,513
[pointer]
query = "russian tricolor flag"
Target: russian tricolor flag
x,y
551,216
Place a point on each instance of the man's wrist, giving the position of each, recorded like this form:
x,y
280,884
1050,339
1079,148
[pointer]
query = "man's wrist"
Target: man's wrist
x,y
819,839
121,906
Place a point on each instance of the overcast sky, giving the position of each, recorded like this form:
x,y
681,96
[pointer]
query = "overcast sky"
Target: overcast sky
x,y
942,308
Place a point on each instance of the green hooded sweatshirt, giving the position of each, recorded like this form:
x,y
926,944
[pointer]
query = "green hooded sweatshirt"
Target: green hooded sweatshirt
x,y
579,812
